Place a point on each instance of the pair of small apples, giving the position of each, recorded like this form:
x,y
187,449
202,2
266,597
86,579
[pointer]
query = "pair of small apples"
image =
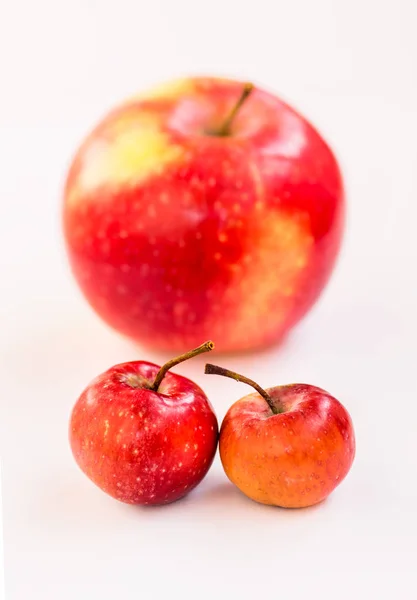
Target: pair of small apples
x,y
146,435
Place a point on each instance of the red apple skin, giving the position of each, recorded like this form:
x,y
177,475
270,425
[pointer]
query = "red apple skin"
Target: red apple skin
x,y
175,235
140,446
293,459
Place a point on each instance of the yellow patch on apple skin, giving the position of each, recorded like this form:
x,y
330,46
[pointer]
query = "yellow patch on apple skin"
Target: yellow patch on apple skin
x,y
132,157
127,151
170,90
263,289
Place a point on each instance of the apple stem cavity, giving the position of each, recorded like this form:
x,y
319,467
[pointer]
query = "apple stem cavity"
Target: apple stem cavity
x,y
206,347
224,130
215,370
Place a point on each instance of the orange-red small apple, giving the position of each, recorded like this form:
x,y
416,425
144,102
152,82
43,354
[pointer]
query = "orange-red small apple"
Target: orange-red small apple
x,y
287,446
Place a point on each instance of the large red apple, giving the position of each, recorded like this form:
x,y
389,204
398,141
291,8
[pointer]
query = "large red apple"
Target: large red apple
x,y
288,446
203,209
143,435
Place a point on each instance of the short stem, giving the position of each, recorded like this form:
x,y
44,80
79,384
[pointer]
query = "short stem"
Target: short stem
x,y
206,347
225,128
215,370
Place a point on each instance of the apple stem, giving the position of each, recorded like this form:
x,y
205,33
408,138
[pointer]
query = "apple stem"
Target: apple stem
x,y
206,347
225,128
215,370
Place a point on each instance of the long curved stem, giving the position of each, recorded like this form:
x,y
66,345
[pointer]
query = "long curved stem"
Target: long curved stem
x,y
215,370
206,347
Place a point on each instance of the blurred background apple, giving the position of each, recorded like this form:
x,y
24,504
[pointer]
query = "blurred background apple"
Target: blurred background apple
x,y
203,209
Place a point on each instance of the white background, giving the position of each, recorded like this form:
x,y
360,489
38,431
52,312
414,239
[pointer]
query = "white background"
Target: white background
x,y
351,67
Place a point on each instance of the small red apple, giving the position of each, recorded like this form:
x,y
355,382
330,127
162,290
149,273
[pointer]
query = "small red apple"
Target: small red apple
x,y
205,208
143,435
287,446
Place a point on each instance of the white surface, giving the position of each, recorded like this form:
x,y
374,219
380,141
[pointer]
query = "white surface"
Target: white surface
x,y
2,590
351,67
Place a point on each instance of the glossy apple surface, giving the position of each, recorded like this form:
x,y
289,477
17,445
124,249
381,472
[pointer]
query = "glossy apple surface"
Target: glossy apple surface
x,y
176,233
292,459
142,446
